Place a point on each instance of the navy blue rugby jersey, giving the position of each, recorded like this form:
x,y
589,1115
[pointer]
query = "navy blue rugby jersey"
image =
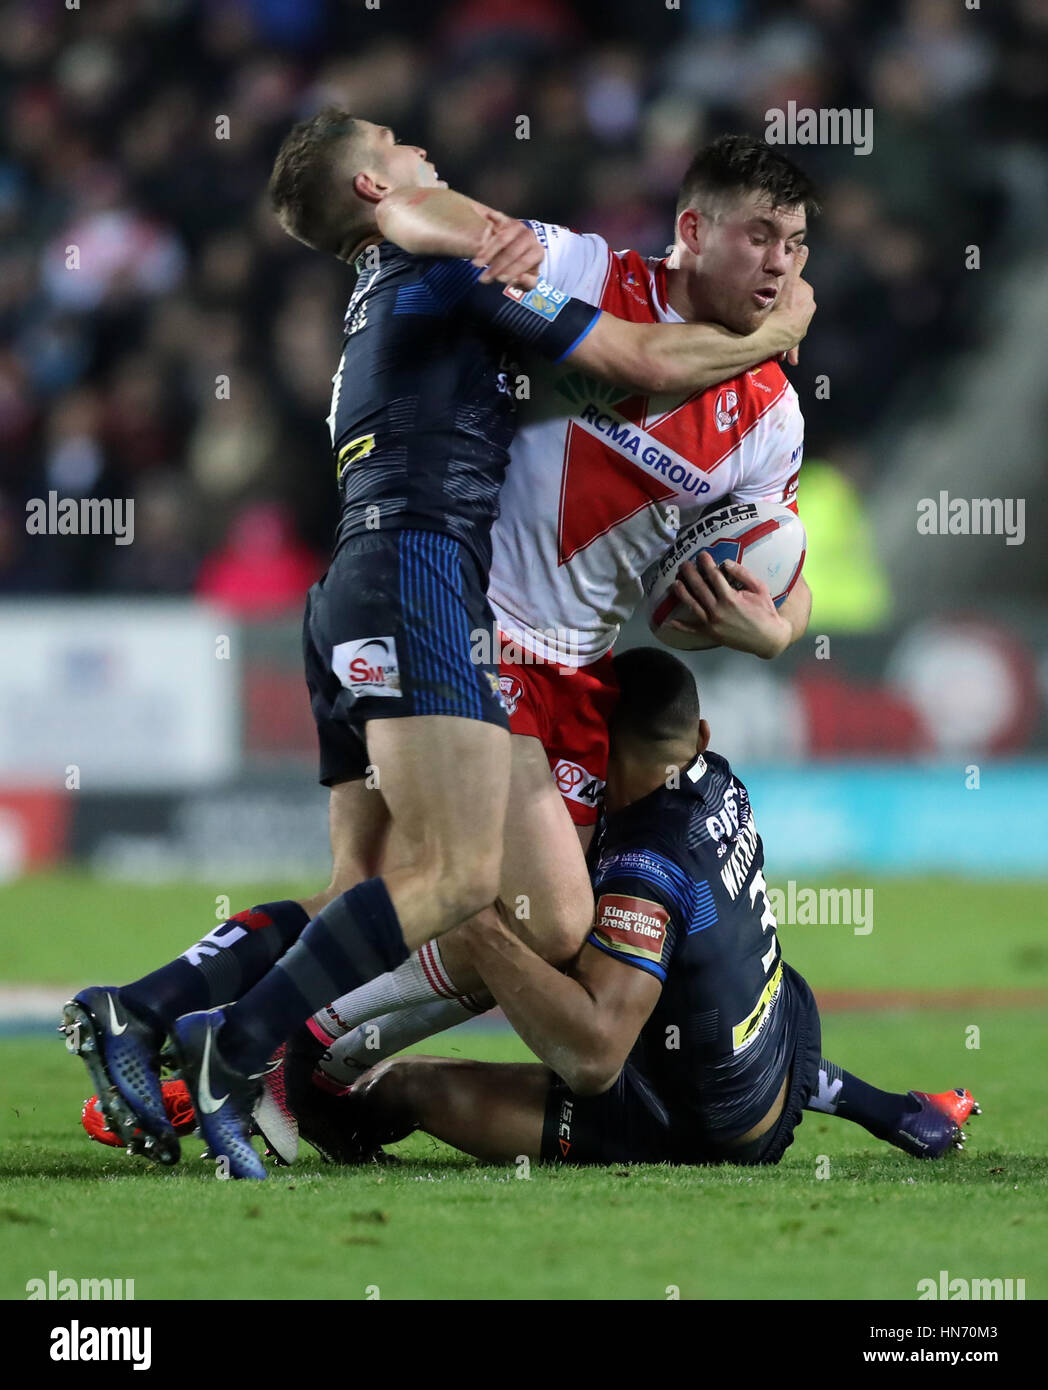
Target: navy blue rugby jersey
x,y
680,891
423,407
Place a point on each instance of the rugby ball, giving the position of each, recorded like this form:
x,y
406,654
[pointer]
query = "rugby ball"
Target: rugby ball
x,y
766,537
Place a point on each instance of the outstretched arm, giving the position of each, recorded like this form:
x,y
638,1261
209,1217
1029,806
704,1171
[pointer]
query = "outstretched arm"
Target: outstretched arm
x,y
648,357
441,222
582,1024
688,357
663,357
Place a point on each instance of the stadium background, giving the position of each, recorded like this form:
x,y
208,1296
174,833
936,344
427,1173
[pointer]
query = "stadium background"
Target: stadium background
x,y
156,748
187,364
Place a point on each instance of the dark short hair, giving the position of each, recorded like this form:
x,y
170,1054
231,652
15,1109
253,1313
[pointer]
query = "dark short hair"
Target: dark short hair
x,y
658,700
734,165
301,189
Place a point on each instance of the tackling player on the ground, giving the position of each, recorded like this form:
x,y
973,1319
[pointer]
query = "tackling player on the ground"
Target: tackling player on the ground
x,y
680,1034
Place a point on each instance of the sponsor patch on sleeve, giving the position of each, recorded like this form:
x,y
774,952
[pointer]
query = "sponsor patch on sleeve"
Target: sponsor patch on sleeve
x,y
631,926
545,299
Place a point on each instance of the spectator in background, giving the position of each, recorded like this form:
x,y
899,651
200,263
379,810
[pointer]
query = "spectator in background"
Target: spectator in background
x,y
261,570
143,137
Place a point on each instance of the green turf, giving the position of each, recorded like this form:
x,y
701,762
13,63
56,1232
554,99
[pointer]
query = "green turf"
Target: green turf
x,y
441,1226
444,1227
932,934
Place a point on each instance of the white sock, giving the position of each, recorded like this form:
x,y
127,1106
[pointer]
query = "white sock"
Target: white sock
x,y
352,1054
420,980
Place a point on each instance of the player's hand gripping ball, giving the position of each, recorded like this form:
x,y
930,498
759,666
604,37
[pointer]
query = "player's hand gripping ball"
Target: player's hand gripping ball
x,y
765,537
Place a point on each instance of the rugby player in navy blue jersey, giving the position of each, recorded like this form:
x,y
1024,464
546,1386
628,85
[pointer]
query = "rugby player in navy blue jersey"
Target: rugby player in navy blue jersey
x,y
421,419
680,1034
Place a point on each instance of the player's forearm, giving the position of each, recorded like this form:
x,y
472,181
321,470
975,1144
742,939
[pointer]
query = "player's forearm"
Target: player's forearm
x,y
553,1013
432,222
672,357
695,356
793,616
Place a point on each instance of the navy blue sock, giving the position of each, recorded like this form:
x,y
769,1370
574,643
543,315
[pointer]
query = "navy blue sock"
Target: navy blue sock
x,y
352,940
841,1093
221,967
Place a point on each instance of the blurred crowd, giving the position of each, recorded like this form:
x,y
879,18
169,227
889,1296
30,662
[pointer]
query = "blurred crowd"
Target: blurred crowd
x,y
185,359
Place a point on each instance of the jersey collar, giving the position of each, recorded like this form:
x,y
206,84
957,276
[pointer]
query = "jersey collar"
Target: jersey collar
x,y
663,309
697,768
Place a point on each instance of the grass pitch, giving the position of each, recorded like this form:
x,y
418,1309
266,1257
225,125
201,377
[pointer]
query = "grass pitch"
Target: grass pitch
x,y
443,1226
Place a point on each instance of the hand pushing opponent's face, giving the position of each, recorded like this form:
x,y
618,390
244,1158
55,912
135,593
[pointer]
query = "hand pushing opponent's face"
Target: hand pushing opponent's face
x,y
741,253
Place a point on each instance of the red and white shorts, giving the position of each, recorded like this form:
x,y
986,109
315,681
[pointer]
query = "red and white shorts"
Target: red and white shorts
x,y
567,710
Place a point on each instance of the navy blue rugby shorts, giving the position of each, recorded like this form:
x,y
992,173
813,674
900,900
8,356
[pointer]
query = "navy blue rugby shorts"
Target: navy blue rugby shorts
x,y
390,632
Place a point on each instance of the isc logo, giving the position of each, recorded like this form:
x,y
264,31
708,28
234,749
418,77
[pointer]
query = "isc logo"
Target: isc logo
x,y
564,1127
368,666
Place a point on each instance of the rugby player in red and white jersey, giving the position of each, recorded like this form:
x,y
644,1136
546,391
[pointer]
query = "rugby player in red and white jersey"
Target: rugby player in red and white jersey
x,y
601,479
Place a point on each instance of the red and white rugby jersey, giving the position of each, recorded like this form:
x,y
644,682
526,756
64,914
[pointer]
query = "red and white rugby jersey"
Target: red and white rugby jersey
x,y
602,478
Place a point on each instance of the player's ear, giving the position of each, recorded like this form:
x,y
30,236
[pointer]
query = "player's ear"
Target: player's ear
x,y
690,230
704,737
369,188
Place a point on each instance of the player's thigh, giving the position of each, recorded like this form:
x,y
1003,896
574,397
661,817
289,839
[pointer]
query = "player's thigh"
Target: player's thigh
x,y
545,884
445,781
493,1110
